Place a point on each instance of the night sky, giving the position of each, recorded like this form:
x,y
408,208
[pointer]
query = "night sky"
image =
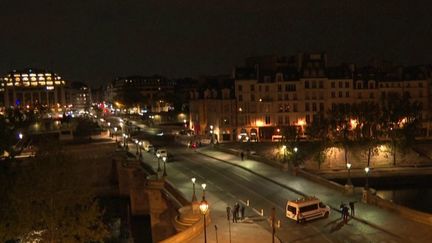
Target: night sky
x,y
96,40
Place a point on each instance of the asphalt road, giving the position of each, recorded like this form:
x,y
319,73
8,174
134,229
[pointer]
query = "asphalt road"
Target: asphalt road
x,y
235,184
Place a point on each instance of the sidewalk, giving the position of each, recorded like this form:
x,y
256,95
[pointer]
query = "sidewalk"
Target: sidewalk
x,y
387,222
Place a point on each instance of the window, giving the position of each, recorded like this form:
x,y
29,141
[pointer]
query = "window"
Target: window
x,y
333,84
321,84
347,84
240,88
307,119
287,120
308,208
340,84
295,97
252,87
314,107
321,95
347,94
306,106
359,85
340,94
286,97
371,85
266,88
307,95
252,97
281,108
267,120
240,97
333,95
286,87
295,107
307,84
314,84
279,96
259,88
371,95
279,87
280,119
287,108
359,95
321,106
292,209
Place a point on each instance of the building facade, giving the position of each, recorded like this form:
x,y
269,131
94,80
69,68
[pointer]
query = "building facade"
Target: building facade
x,y
32,88
275,93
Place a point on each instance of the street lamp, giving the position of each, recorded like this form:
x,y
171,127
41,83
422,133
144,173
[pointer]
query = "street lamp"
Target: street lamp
x,y
20,135
194,199
204,208
348,165
158,157
136,144
295,149
115,133
164,162
140,153
367,177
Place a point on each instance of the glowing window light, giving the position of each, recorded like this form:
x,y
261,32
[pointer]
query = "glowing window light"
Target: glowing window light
x,y
48,74
24,75
17,79
25,79
49,87
41,79
34,83
57,82
40,75
32,74
33,78
49,83
17,75
26,83
48,78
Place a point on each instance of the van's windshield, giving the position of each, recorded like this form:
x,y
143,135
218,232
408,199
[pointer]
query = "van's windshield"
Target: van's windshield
x,y
292,209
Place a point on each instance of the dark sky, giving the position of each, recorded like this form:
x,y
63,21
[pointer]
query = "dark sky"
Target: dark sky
x,y
96,40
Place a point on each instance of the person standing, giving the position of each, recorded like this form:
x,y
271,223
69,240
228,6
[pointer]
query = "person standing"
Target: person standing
x,y
345,214
236,212
242,155
341,207
228,211
351,204
242,211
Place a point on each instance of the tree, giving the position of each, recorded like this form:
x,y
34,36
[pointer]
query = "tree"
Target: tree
x,y
46,199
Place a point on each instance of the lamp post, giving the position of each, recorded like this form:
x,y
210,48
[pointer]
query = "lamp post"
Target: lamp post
x,y
140,149
20,136
115,133
204,208
367,178
273,218
194,199
211,134
164,162
158,157
348,165
136,144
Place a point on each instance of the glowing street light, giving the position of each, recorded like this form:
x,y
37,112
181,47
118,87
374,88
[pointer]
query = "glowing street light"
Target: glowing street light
x,y
295,149
158,157
194,199
164,170
367,177
20,135
115,133
204,208
348,165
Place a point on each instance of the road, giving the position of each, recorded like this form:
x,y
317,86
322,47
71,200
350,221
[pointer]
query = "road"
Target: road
x,y
236,184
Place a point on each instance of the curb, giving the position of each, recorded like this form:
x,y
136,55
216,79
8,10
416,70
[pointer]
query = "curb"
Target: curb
x,y
300,193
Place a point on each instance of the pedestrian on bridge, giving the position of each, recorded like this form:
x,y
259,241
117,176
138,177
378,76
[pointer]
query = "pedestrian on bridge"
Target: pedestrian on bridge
x,y
341,207
351,205
242,155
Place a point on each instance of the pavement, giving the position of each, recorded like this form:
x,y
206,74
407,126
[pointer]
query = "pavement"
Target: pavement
x,y
395,226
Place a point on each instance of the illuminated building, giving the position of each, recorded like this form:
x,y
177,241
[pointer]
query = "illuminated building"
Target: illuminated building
x,y
33,88
275,93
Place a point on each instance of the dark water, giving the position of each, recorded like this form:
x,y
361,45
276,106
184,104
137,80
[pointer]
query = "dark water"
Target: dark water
x,y
413,191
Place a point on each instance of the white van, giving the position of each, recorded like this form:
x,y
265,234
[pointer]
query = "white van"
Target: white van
x,y
306,209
